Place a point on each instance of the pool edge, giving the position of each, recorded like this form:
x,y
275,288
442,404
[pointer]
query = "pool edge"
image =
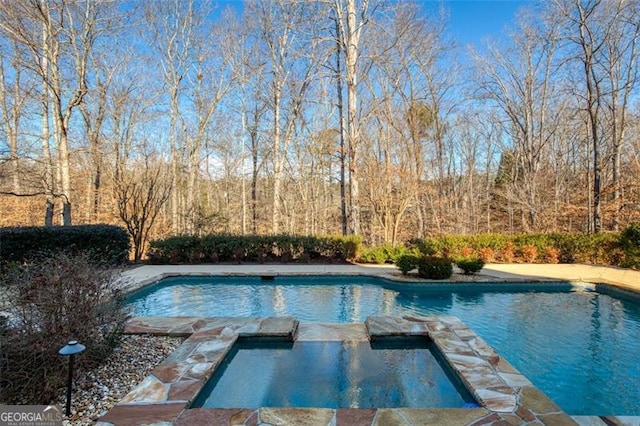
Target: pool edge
x,y
165,395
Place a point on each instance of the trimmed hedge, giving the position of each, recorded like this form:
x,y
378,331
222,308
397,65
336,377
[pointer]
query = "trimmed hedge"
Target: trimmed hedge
x,y
253,248
384,253
105,244
540,248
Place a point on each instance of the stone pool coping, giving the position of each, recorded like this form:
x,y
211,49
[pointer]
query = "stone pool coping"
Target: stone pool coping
x,y
576,274
505,395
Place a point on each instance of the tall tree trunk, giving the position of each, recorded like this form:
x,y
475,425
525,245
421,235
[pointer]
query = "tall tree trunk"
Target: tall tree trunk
x,y
175,169
48,183
350,40
340,105
11,116
277,160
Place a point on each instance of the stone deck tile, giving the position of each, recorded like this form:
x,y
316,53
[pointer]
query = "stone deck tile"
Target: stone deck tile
x,y
185,390
557,419
217,416
296,416
332,332
165,326
448,343
496,401
432,417
133,415
150,390
537,402
394,326
355,416
232,325
278,327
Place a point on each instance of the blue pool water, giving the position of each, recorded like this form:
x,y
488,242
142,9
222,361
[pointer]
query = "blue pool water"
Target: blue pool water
x,y
581,348
333,375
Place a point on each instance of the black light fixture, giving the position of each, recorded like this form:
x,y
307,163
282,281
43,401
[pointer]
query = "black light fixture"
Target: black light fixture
x,y
71,349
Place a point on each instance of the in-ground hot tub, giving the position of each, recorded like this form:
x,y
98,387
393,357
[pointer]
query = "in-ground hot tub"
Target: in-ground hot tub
x,y
387,373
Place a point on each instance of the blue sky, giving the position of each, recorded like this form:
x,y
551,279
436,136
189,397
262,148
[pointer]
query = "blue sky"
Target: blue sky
x,y
472,20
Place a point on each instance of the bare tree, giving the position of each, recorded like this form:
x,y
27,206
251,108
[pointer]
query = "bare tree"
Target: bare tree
x,y
173,37
589,26
520,83
287,49
60,36
12,105
141,196
621,64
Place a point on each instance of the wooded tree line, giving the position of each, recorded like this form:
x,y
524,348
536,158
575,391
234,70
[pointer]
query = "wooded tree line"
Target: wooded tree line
x,y
317,117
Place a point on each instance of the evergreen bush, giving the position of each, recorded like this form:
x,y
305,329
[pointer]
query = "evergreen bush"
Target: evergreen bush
x,y
434,268
377,255
470,266
106,244
407,263
630,244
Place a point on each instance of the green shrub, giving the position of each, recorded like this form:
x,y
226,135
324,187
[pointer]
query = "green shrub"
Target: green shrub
x,y
630,236
470,266
105,244
435,268
253,248
49,302
407,263
630,244
377,255
422,246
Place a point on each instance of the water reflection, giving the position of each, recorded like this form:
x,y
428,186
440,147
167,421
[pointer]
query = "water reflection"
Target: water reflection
x,y
332,375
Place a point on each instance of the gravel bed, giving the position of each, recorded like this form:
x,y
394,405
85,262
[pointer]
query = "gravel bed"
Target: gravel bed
x,y
95,392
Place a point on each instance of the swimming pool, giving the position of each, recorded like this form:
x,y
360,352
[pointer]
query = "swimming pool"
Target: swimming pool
x,y
581,348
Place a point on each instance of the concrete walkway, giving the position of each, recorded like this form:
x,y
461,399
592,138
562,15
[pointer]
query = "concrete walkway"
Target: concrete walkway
x,y
620,277
624,278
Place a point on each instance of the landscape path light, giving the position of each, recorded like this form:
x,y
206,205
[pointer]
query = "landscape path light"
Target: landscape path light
x,y
71,349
